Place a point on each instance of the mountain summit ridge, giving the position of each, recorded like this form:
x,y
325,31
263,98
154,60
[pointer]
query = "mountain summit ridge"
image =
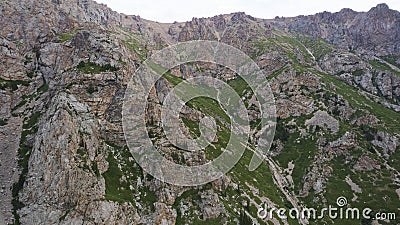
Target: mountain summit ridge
x,y
358,27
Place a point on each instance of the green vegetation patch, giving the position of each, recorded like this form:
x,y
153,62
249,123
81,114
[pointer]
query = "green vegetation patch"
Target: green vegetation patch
x,y
390,118
12,84
116,189
30,74
357,72
29,128
392,59
64,37
277,72
318,47
210,107
93,68
382,66
240,86
134,45
42,89
261,46
3,122
28,60
91,89
292,47
299,150
193,127
119,189
378,189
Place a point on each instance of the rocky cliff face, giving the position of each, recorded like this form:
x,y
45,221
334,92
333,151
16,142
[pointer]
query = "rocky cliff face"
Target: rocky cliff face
x,y
63,156
375,31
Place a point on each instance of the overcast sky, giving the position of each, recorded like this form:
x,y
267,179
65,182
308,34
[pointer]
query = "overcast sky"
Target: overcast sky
x,y
181,10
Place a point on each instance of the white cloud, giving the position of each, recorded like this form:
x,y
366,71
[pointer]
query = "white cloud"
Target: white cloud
x,y
180,10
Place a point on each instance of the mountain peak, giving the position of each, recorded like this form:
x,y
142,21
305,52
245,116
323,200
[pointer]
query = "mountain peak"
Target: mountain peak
x,y
382,6
347,10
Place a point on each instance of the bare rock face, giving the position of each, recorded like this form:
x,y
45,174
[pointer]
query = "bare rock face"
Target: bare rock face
x,y
295,100
324,120
63,169
108,212
352,30
9,145
389,85
210,205
366,82
365,163
387,142
164,215
355,70
340,62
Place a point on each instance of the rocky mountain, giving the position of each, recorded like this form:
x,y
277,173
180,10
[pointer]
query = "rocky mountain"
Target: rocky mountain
x,y
64,159
375,31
